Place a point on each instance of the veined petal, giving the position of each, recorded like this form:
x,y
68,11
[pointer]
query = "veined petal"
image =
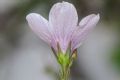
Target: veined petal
x,y
87,23
63,17
85,20
39,25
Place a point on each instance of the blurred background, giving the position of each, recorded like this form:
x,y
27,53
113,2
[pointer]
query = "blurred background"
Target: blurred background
x,y
23,56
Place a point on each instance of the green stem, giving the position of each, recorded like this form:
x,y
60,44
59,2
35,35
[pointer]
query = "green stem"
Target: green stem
x,y
65,62
65,72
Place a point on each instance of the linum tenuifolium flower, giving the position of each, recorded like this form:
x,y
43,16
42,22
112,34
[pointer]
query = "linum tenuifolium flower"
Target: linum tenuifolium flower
x,y
62,31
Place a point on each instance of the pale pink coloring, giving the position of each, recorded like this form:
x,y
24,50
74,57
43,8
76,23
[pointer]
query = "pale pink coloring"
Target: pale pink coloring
x,y
62,26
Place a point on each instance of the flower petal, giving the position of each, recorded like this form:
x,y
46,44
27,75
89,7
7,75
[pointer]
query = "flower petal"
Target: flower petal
x,y
87,23
85,20
63,17
39,25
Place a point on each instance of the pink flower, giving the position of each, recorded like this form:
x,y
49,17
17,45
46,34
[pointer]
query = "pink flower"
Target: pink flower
x,y
62,27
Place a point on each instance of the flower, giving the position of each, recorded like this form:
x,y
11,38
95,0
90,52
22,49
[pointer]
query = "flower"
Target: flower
x,y
62,28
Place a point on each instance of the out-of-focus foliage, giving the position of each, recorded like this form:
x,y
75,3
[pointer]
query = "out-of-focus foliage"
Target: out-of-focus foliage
x,y
116,58
112,11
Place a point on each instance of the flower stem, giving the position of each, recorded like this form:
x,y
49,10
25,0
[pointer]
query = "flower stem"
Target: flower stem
x,y
65,72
